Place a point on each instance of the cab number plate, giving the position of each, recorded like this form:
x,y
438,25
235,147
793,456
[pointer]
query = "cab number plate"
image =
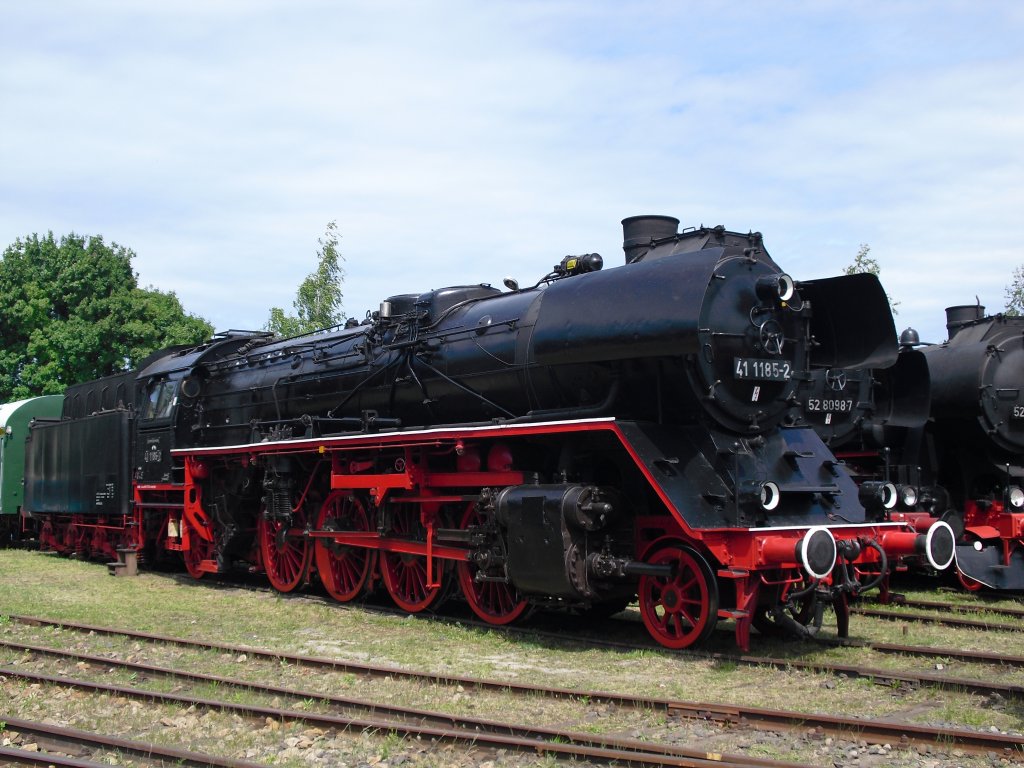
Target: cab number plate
x,y
762,370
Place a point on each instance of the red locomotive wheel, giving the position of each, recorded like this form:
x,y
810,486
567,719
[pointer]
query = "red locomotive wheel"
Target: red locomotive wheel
x,y
285,551
343,570
51,537
681,610
102,542
802,612
405,575
199,549
76,539
971,585
494,602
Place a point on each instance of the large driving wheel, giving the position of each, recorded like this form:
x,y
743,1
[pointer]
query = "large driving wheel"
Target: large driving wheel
x,y
493,601
405,575
285,551
681,610
344,570
199,549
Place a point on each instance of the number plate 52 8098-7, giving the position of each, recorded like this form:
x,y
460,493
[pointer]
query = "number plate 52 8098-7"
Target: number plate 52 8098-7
x,y
763,370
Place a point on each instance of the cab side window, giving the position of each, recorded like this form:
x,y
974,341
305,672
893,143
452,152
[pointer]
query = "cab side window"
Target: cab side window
x,y
161,400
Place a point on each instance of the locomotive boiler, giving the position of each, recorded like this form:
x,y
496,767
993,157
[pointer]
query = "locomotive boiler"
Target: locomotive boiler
x,y
601,436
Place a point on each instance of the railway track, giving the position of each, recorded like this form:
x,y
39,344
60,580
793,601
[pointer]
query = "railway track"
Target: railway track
x,y
53,740
475,732
537,629
878,732
975,657
984,608
15,756
881,675
949,621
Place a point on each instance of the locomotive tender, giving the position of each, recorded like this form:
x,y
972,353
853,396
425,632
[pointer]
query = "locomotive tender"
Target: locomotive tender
x,y
601,436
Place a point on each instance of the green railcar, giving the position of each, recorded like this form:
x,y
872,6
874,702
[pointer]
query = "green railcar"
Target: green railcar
x,y
14,421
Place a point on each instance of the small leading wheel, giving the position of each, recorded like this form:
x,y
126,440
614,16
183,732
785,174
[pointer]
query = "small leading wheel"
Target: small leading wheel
x,y
495,602
802,610
199,549
404,574
681,610
285,551
971,585
344,570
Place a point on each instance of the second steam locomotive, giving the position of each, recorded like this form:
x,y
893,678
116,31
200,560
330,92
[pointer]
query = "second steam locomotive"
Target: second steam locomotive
x,y
603,436
944,426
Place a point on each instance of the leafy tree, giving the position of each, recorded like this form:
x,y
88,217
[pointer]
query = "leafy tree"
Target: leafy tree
x,y
863,263
1015,293
282,324
74,312
318,301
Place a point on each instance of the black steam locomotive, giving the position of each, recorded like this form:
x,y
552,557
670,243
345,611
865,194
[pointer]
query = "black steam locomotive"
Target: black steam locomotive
x,y
943,429
599,437
873,419
977,441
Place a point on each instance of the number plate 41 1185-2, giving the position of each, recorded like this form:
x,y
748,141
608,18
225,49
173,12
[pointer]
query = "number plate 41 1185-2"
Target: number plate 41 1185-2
x,y
760,369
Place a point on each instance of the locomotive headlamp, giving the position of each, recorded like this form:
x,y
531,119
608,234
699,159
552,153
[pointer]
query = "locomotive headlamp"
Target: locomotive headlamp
x,y
775,288
875,495
1016,497
766,495
770,496
578,265
908,495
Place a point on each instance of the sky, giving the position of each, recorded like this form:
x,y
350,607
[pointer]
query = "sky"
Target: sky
x,y
460,142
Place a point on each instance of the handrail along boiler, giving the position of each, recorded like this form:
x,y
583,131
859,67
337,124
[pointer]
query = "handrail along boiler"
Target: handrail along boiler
x,y
604,435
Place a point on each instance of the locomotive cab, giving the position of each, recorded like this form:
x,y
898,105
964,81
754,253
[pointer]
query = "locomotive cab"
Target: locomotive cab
x,y
168,405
